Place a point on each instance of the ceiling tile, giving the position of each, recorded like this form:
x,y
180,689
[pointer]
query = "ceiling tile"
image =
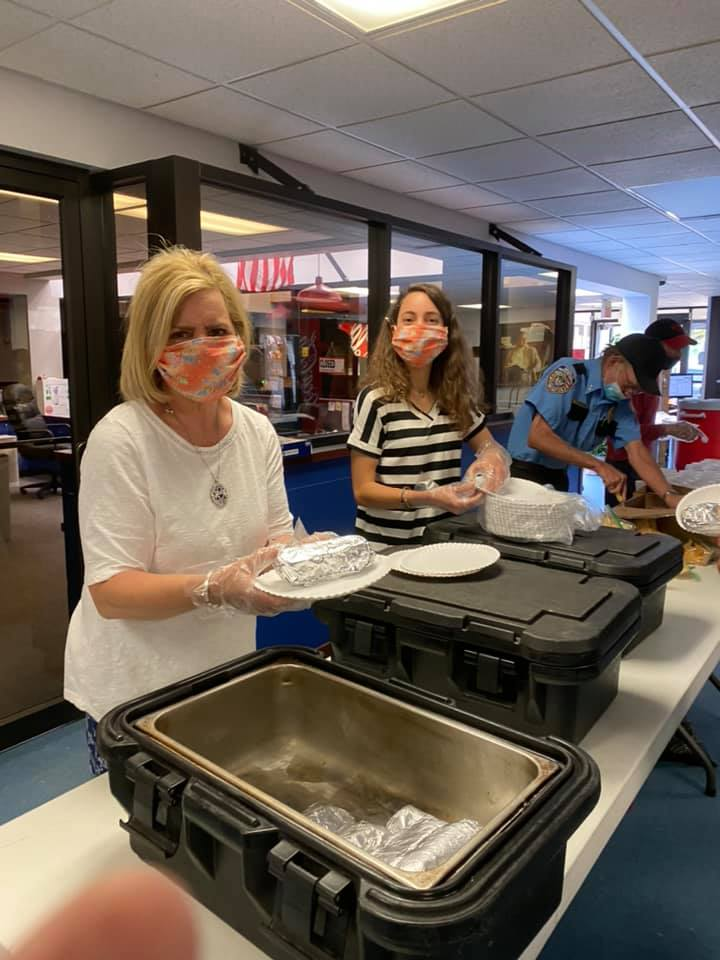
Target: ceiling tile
x,y
686,252
620,218
562,183
594,96
606,201
674,166
61,9
643,230
78,60
506,45
599,245
704,223
331,150
540,227
691,73
685,239
340,88
230,113
404,177
18,24
455,198
223,40
448,126
513,159
30,209
10,224
710,116
572,237
628,139
688,198
654,25
20,243
502,212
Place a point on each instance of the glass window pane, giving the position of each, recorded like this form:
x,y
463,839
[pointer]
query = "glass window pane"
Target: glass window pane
x,y
528,299
34,419
303,278
456,270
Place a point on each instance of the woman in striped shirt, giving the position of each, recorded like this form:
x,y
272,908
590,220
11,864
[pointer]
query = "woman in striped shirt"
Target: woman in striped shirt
x,y
419,404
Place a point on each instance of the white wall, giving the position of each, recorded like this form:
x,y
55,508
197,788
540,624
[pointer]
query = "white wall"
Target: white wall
x,y
45,119
43,300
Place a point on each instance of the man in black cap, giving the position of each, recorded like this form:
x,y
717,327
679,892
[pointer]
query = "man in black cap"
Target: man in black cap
x,y
645,405
576,405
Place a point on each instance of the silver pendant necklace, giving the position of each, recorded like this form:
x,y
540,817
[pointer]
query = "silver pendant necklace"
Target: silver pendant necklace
x,y
219,494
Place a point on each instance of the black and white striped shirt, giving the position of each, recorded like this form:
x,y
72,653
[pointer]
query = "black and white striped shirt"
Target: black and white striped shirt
x,y
409,446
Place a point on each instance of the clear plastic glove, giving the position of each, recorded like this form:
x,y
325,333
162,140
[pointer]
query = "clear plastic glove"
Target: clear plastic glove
x,y
685,432
232,588
491,468
456,498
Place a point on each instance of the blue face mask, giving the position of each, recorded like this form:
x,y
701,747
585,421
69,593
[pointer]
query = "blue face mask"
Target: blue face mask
x,y
613,393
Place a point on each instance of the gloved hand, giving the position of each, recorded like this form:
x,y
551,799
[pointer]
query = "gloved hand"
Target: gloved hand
x,y
490,469
456,498
684,431
232,587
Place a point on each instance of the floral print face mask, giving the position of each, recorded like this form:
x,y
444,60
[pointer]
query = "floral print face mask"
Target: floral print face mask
x,y
202,369
419,343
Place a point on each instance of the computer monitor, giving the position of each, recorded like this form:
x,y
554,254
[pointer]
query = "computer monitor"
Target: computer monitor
x,y
680,385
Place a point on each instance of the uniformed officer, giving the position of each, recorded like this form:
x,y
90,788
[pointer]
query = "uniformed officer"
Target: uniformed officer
x,y
576,405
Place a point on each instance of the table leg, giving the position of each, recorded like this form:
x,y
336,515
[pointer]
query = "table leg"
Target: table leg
x,y
699,751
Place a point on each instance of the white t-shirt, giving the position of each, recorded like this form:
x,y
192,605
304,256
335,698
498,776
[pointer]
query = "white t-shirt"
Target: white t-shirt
x,y
145,505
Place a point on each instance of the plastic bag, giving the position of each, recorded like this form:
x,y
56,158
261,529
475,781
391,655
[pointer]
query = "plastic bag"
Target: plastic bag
x,y
524,510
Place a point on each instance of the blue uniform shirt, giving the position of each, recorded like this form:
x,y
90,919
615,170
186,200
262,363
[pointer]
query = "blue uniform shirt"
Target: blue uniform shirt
x,y
569,397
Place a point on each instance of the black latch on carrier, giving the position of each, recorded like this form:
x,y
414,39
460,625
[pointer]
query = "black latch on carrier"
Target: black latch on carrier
x,y
156,796
311,906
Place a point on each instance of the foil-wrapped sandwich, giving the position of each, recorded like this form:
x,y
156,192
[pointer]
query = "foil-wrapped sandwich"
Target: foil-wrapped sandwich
x,y
323,560
702,518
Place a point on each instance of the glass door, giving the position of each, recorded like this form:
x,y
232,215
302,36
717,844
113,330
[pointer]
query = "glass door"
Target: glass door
x,y
36,436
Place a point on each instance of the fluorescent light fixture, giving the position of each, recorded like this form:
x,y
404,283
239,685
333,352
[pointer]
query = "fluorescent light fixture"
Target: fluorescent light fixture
x,y
470,306
673,216
25,258
353,291
27,196
371,15
136,207
235,226
549,273
587,293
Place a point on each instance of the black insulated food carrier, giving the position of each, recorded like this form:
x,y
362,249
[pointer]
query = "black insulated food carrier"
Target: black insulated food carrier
x,y
527,646
649,561
215,773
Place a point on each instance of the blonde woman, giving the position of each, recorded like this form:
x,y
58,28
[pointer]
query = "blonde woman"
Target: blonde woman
x,y
419,405
177,483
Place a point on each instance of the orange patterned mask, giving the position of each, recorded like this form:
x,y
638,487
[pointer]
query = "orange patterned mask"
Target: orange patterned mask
x,y
202,369
419,343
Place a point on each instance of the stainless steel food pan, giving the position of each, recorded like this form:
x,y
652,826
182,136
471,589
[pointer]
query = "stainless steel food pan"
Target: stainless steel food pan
x,y
290,735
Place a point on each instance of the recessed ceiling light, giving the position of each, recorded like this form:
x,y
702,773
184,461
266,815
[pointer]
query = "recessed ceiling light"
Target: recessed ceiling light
x,y
25,258
470,306
212,222
371,15
27,196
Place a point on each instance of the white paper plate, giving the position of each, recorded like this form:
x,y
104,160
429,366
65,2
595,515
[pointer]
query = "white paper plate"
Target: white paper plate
x,y
271,582
446,559
708,494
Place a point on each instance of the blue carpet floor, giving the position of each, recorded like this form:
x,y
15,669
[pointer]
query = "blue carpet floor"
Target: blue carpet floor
x,y
653,894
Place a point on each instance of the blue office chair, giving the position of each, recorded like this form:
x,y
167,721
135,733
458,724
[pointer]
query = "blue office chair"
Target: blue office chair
x,y
34,458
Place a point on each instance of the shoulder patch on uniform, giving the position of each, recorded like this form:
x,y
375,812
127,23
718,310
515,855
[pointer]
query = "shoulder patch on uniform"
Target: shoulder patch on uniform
x,y
561,380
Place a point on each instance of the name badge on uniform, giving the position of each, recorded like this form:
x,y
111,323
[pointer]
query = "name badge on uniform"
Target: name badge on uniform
x,y
561,380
